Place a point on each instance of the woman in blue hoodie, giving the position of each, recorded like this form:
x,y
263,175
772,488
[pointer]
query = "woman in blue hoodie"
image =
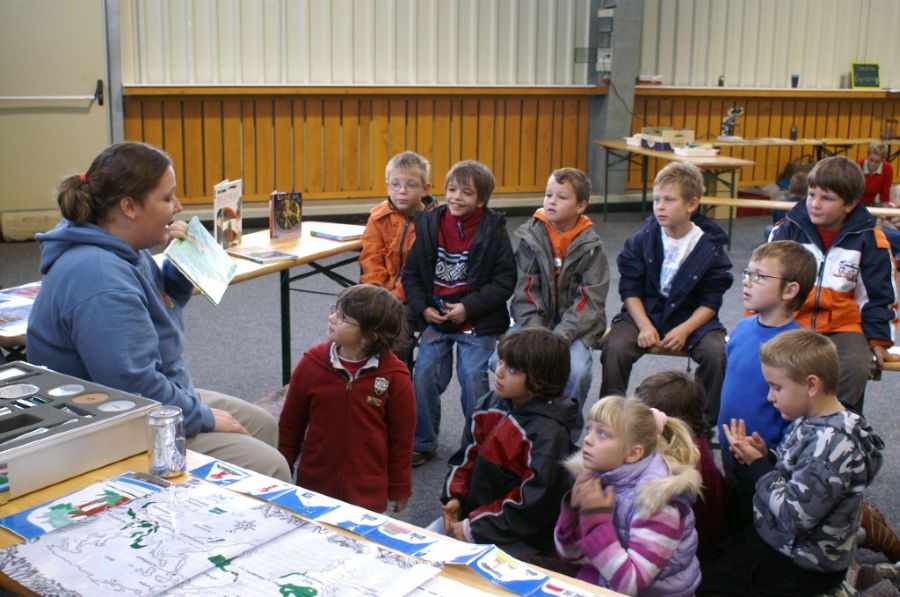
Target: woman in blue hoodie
x,y
108,313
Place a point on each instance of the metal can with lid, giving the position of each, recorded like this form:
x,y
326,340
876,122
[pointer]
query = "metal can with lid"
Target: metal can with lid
x,y
166,444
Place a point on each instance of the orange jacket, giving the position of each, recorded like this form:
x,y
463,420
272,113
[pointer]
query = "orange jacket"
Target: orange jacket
x,y
386,243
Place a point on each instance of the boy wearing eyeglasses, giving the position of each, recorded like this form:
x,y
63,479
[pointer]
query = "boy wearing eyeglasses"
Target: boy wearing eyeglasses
x,y
776,282
390,232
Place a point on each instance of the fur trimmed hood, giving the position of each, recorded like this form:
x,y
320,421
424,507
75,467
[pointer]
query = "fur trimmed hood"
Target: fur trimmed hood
x,y
658,480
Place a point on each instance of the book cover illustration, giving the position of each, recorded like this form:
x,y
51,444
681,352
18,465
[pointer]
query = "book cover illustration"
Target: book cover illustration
x,y
202,261
285,214
227,198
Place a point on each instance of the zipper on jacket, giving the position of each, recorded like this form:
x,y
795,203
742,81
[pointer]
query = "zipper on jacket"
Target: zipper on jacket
x,y
820,277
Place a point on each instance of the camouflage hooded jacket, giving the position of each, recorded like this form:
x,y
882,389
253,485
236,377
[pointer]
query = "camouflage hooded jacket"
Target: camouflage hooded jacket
x,y
808,506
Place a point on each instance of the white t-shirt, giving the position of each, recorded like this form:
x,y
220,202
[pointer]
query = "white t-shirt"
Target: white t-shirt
x,y
675,251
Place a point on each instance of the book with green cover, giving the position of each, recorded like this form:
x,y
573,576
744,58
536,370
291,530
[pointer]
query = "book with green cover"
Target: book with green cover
x,y
203,261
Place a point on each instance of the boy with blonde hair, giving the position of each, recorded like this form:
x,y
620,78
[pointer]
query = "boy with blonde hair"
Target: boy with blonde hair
x,y
808,500
563,276
390,233
674,273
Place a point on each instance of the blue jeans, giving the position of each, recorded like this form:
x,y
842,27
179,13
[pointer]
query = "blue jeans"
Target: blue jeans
x,y
434,368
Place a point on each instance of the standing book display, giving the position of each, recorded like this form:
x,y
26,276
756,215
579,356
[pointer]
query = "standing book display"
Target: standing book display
x,y
285,215
227,210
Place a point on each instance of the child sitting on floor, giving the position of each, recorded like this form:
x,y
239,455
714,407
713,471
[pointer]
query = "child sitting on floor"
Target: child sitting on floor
x,y
628,519
680,396
350,407
506,484
809,498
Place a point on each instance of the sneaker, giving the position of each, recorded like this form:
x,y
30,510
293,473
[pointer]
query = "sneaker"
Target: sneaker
x,y
420,458
880,536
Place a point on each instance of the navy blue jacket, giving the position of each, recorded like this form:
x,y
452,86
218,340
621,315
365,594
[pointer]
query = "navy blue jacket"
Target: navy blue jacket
x,y
490,273
701,280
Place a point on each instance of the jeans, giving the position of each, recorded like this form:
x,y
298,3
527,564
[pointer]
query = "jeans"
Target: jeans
x,y
434,368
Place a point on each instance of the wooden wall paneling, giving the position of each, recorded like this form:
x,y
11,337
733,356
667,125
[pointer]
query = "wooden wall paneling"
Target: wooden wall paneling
x,y
558,132
133,121
371,177
173,140
865,127
584,139
570,130
232,141
544,164
455,131
397,124
315,152
380,143
213,148
750,130
194,176
412,124
248,136
265,145
331,121
528,143
513,133
424,143
151,112
486,107
499,136
350,144
283,143
440,160
469,130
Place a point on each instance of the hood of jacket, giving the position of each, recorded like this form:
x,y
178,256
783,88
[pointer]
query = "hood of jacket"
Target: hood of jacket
x,y
708,226
561,410
67,235
847,423
659,479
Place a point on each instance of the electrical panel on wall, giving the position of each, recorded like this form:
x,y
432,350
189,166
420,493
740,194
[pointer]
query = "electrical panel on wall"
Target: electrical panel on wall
x,y
604,40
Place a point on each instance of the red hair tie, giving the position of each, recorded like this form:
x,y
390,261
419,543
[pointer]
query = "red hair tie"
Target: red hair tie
x,y
82,177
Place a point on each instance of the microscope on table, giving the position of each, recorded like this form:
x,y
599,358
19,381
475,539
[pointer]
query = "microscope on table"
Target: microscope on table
x,y
728,124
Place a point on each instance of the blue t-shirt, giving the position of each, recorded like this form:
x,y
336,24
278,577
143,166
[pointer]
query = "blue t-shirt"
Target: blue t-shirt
x,y
745,391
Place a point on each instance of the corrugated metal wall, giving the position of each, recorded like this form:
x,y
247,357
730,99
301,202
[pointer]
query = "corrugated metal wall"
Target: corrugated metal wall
x,y
759,43
353,42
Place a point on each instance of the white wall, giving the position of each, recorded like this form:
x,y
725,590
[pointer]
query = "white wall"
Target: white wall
x,y
759,43
353,42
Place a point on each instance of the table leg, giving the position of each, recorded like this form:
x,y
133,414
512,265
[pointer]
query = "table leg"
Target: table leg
x,y
605,183
645,165
284,290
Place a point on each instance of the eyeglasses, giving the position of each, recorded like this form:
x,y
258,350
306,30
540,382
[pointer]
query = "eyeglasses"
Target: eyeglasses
x,y
340,317
756,277
409,185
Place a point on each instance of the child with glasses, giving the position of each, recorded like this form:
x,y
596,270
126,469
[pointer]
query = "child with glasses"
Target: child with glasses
x,y
390,233
776,282
350,411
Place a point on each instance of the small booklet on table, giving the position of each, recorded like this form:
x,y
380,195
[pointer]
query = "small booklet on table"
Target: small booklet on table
x,y
261,255
338,232
202,261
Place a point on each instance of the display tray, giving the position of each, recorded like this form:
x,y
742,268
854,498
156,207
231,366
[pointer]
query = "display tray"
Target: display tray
x,y
55,426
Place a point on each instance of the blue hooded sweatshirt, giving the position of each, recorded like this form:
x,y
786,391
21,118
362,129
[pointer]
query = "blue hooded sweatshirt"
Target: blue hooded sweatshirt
x,y
108,314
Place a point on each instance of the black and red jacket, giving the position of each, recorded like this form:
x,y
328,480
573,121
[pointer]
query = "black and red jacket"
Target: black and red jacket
x,y
509,476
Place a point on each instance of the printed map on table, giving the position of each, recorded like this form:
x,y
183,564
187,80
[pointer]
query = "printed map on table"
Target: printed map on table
x,y
198,538
82,504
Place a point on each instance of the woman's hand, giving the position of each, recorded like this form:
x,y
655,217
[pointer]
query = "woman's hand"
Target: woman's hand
x,y
226,423
177,229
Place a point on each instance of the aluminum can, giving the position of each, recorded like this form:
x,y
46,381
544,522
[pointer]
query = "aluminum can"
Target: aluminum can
x,y
166,444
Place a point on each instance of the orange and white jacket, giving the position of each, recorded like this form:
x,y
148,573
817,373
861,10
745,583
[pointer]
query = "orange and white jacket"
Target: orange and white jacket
x,y
856,287
386,242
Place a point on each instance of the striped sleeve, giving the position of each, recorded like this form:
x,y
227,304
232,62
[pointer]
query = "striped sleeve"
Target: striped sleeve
x,y
652,543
